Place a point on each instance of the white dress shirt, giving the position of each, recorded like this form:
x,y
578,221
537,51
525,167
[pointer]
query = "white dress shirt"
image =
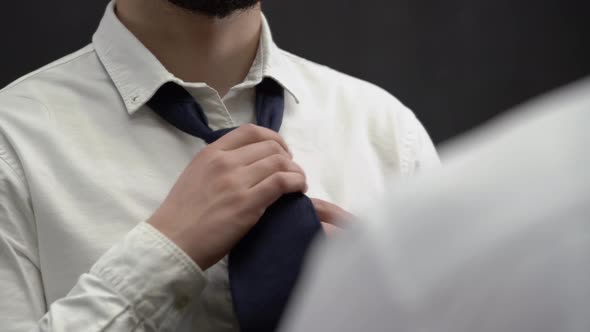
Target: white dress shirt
x,y
83,162
498,240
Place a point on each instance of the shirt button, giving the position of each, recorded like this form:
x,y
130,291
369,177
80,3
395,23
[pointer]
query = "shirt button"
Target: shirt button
x,y
135,99
181,303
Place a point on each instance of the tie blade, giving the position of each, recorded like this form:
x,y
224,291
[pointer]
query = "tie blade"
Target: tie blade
x,y
265,265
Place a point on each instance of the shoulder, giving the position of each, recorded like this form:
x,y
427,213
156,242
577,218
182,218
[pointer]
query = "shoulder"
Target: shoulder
x,y
356,98
329,80
28,105
66,73
53,67
364,106
35,92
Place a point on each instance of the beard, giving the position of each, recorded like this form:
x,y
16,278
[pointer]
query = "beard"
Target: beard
x,y
215,8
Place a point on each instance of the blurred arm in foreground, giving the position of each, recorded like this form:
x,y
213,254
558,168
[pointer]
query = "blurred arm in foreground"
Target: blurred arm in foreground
x,y
498,240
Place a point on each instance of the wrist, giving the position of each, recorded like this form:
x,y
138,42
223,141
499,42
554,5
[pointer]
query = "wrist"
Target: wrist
x,y
186,241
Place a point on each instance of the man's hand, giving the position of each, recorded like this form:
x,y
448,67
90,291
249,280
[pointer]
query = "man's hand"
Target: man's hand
x,y
225,190
332,217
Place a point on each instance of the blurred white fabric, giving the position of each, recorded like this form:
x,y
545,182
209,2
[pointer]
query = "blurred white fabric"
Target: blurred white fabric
x,y
497,241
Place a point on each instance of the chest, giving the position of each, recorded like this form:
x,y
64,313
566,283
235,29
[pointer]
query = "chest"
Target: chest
x,y
98,182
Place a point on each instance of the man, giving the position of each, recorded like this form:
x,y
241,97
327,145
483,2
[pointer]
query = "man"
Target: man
x,y
111,219
503,246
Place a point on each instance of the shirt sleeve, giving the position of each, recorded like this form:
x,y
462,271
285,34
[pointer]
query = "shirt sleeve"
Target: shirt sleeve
x,y
472,247
143,283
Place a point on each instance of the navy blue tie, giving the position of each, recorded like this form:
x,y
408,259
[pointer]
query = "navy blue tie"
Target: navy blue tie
x,y
264,265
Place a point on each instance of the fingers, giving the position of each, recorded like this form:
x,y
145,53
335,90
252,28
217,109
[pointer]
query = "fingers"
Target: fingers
x,y
248,134
251,153
331,213
266,167
271,188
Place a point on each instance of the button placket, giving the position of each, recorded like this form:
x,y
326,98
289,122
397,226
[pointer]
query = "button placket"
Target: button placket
x,y
239,102
217,114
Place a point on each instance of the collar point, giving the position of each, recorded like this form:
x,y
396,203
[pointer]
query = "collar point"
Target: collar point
x,y
133,105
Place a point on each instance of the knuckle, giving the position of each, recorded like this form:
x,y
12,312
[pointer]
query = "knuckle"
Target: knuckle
x,y
250,126
277,163
220,162
275,147
282,181
280,163
252,130
278,137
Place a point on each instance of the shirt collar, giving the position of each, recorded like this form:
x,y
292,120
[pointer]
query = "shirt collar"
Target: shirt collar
x,y
137,73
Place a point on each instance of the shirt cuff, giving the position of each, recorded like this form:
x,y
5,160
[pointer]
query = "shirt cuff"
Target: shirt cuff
x,y
157,278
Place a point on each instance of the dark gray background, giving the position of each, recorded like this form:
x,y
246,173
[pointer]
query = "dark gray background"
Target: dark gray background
x,y
456,63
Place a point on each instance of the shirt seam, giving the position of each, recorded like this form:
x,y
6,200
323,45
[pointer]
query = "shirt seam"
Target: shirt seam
x,y
23,253
407,153
22,175
3,153
24,187
48,67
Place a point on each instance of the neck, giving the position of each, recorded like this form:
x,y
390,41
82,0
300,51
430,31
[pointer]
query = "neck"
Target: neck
x,y
195,47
